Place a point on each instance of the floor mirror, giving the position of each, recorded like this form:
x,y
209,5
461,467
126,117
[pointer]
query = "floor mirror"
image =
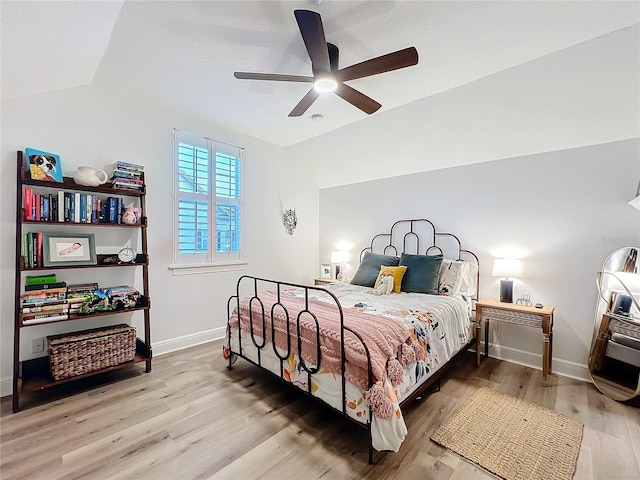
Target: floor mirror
x,y
614,361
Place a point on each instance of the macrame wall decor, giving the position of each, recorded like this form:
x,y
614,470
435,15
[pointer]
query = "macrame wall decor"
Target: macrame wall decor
x,y
290,220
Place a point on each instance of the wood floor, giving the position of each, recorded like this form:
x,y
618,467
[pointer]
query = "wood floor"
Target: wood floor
x,y
191,418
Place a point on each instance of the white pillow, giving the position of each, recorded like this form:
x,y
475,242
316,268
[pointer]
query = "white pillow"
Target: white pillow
x,y
457,277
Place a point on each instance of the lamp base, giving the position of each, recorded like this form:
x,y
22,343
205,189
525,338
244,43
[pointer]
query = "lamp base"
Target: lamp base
x,y
506,291
339,271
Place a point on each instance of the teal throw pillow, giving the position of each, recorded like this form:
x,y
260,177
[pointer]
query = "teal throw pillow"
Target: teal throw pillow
x,y
422,273
370,268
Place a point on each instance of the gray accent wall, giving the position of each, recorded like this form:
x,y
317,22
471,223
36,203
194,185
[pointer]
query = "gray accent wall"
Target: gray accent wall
x,y
562,212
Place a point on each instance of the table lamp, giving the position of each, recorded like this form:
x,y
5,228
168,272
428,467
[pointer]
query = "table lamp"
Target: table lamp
x,y
507,268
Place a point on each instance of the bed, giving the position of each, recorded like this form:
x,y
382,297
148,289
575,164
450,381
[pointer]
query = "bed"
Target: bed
x,y
366,355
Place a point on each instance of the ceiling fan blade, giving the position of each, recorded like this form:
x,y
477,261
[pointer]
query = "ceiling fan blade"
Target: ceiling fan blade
x,y
304,104
357,99
312,32
386,63
272,76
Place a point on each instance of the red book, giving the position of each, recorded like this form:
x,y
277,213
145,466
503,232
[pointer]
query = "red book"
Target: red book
x,y
28,203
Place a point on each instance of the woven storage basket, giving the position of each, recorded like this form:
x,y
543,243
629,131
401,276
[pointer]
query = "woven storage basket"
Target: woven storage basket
x,y
76,353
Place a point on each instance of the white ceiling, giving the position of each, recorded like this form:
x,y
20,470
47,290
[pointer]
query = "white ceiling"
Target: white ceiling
x,y
185,52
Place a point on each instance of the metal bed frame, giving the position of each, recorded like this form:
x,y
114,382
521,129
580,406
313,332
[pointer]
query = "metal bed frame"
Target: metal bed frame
x,y
408,231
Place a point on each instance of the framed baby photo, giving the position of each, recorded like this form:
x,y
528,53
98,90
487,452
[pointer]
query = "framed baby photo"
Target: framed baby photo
x,y
43,166
68,249
325,270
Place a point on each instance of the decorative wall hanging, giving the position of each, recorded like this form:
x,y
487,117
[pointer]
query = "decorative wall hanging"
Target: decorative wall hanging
x,y
290,220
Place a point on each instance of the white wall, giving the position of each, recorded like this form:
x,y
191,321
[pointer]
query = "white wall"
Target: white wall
x,y
563,212
96,127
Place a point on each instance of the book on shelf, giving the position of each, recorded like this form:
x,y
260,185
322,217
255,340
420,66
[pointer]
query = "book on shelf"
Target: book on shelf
x,y
82,288
40,279
78,298
53,294
41,302
45,286
60,307
121,165
44,319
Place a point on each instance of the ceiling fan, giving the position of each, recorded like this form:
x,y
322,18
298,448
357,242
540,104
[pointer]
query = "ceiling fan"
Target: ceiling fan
x,y
327,77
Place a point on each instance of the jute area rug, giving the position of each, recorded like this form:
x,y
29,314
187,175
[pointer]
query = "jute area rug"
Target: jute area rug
x,y
513,439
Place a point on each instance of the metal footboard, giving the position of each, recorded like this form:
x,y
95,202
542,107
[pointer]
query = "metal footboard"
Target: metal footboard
x,y
251,287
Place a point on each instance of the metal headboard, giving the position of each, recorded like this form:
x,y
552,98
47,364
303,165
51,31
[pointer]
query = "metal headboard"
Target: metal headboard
x,y
419,236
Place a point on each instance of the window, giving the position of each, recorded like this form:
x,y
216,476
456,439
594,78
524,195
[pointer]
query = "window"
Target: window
x,y
208,185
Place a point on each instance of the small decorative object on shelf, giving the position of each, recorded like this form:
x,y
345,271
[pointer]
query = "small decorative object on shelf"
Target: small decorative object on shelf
x,y
90,177
67,249
43,165
44,196
129,216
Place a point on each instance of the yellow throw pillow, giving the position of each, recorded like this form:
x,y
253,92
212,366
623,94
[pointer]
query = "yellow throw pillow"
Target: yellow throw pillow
x,y
397,272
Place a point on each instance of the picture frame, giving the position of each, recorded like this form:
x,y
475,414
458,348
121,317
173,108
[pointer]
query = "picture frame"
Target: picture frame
x,y
325,270
43,166
68,249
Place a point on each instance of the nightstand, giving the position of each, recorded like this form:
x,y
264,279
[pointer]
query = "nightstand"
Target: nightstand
x,y
324,281
487,310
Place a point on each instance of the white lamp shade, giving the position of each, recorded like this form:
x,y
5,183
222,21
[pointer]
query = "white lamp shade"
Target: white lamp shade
x,y
507,268
338,256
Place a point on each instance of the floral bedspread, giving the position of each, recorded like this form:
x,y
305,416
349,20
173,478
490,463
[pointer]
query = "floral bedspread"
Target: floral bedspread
x,y
441,324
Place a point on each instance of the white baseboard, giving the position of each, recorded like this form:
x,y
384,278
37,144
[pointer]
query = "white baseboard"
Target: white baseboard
x,y
562,367
178,343
159,348
5,387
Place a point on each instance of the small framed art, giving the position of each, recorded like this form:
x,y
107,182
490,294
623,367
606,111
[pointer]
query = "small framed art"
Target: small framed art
x,y
43,165
68,249
325,270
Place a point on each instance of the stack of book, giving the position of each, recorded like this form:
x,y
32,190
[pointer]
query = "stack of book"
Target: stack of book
x,y
128,176
79,294
122,293
112,298
44,300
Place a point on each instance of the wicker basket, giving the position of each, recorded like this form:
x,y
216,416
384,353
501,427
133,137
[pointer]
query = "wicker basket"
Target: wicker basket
x,y
77,353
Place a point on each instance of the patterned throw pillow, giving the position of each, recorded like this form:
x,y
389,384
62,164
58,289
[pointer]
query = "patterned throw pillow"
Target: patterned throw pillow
x,y
397,272
451,274
457,277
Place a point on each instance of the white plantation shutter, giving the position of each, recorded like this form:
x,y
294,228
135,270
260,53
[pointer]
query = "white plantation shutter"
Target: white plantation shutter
x,y
209,200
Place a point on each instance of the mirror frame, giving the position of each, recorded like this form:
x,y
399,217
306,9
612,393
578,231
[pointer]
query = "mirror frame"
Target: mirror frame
x,y
619,275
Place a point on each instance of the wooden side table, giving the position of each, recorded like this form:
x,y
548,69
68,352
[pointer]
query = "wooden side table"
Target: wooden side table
x,y
324,281
489,309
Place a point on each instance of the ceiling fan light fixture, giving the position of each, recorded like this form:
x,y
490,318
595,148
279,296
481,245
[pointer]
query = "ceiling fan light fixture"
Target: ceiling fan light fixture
x,y
325,84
